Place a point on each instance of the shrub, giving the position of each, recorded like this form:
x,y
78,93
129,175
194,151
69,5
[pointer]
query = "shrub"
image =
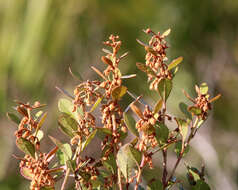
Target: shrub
x,y
123,163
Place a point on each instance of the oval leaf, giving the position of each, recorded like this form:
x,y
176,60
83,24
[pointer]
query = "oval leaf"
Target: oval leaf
x,y
164,88
203,88
65,148
26,146
89,139
155,185
178,149
41,121
183,127
136,155
162,133
66,106
184,108
39,134
96,104
166,33
65,155
195,110
13,117
158,106
67,124
103,132
130,123
118,92
175,62
125,161
201,185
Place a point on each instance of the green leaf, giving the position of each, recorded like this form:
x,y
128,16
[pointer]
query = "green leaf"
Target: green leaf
x,y
162,133
41,121
71,164
175,70
166,33
89,139
178,149
195,110
96,103
201,185
155,185
149,174
136,155
39,134
103,132
193,175
130,123
175,62
134,141
125,161
164,88
39,113
111,164
65,148
200,123
26,146
14,118
118,92
183,128
67,124
184,108
66,106
123,135
158,106
64,153
203,88
145,69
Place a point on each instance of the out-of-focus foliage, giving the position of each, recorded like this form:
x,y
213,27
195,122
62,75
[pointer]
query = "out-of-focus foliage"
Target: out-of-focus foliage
x,y
40,39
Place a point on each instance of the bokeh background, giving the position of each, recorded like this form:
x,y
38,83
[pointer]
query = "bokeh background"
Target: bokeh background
x,y
40,39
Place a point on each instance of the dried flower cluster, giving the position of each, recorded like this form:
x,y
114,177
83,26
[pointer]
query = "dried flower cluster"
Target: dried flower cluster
x,y
85,166
202,104
28,125
145,126
123,160
156,58
38,170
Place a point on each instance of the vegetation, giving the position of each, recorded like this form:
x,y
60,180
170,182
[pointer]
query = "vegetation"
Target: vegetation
x,y
130,137
39,40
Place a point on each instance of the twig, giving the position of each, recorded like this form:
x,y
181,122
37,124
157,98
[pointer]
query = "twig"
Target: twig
x,y
139,173
119,178
192,134
165,172
65,179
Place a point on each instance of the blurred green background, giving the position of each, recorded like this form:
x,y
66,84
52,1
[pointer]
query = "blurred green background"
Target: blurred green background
x,y
40,39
